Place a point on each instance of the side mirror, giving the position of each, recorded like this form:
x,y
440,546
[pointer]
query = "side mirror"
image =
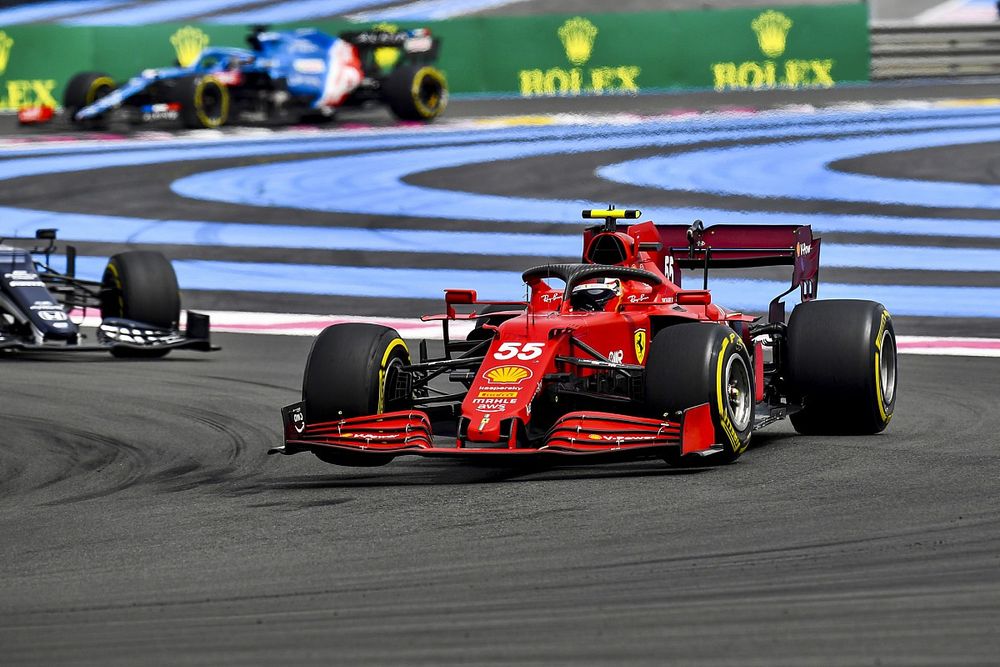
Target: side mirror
x,y
46,234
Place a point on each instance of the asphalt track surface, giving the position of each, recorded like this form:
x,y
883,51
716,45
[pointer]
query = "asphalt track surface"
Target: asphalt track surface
x,y
142,522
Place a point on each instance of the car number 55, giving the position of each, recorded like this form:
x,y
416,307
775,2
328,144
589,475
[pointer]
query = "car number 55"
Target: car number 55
x,y
524,352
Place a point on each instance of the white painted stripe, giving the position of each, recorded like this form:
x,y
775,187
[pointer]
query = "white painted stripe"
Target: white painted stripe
x,y
298,324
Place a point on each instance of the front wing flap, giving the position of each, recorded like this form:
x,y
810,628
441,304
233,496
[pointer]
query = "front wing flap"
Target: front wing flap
x,y
114,333
576,434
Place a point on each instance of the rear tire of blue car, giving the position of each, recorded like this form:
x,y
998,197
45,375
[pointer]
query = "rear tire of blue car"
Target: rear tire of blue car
x,y
83,90
842,365
416,92
350,372
205,102
141,285
695,363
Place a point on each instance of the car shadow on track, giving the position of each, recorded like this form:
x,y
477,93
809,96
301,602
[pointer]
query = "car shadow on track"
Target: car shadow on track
x,y
438,474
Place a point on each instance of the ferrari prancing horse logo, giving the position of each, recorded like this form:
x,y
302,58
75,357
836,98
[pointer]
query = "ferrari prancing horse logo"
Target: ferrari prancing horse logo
x,y
640,345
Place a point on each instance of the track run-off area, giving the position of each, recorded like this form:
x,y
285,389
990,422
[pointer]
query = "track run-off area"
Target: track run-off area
x,y
142,521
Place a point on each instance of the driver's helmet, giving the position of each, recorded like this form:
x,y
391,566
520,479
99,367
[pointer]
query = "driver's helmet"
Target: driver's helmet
x,y
594,296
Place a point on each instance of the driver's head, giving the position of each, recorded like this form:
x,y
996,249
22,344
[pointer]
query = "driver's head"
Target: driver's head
x,y
594,296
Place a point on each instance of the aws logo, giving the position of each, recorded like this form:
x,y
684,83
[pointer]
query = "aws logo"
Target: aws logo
x,y
578,36
188,43
772,29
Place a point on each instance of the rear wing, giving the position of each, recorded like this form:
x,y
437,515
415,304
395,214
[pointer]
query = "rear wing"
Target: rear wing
x,y
674,247
739,247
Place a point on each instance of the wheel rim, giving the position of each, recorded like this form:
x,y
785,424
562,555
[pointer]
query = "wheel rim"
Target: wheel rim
x,y
739,398
211,101
887,368
389,383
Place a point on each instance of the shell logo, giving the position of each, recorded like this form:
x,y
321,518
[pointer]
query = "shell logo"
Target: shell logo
x,y
508,374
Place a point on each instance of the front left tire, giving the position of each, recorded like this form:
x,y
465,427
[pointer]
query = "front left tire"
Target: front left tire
x,y
695,363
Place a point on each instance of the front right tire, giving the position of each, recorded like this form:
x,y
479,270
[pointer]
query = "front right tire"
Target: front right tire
x,y
83,90
351,372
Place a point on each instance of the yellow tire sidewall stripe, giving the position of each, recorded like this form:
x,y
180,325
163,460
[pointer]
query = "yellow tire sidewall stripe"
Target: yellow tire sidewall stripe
x,y
395,343
720,391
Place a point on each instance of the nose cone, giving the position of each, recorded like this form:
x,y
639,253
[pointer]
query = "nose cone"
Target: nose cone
x,y
500,392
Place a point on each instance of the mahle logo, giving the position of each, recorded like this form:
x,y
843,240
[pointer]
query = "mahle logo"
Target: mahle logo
x,y
578,36
772,29
188,44
6,44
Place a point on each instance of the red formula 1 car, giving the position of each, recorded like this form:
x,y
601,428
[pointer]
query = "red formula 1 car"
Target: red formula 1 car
x,y
608,358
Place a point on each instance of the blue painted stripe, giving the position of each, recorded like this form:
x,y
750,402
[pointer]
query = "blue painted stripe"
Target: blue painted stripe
x,y
429,10
157,12
749,295
373,184
799,170
287,12
50,11
21,223
15,223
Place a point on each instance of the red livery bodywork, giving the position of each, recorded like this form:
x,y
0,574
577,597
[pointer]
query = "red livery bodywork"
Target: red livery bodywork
x,y
557,376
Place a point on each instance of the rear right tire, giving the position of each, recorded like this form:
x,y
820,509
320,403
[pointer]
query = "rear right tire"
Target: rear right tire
x,y
204,100
416,93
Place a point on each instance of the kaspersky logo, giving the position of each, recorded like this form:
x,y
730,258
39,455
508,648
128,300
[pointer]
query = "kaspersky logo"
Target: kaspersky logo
x,y
6,44
188,44
772,30
578,37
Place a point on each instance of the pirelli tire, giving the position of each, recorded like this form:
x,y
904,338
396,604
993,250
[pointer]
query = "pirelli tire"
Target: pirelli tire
x,y
695,363
349,372
205,102
842,365
83,90
141,285
416,92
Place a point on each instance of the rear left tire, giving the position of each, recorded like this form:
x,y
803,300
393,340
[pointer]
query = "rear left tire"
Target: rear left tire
x,y
842,364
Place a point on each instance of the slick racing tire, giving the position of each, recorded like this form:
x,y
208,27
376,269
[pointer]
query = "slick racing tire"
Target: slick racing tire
x,y
695,363
205,102
83,90
842,365
349,369
141,285
416,93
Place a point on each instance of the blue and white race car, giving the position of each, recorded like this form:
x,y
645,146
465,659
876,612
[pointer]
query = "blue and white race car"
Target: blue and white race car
x,y
284,76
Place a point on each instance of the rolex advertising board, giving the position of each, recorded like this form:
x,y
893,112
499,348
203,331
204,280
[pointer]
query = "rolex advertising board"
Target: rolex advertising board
x,y
528,56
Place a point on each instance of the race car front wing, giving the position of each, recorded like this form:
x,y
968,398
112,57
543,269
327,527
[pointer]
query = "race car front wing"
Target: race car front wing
x,y
120,334
577,434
